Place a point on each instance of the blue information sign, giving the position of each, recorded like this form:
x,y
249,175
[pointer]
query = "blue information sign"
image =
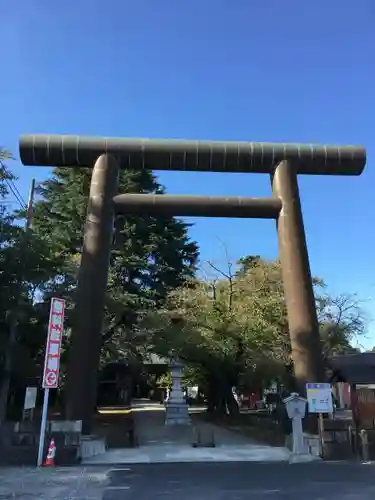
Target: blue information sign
x,y
319,398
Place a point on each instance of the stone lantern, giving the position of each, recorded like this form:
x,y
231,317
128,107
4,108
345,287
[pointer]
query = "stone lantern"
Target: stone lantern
x,y
296,409
295,406
177,410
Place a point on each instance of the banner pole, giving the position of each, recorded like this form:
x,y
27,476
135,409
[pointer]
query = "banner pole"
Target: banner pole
x,y
43,426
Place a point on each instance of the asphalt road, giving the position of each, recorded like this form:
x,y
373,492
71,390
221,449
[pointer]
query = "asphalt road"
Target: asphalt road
x,y
192,481
240,481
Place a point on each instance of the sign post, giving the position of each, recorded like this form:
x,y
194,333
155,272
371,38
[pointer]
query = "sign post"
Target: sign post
x,y
51,363
29,403
319,398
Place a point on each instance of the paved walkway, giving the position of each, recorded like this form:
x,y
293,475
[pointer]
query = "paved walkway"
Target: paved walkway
x,y
161,444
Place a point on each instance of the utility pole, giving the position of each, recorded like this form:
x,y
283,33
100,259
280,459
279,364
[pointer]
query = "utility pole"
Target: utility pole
x,y
14,315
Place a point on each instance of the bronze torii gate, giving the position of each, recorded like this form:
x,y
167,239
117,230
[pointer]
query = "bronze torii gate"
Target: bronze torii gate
x,y
281,161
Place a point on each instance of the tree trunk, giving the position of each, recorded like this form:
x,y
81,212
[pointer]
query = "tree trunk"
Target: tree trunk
x,y
216,401
220,397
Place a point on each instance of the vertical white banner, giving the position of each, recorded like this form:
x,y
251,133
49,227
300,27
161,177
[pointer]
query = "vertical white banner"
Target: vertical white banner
x,y
51,363
53,346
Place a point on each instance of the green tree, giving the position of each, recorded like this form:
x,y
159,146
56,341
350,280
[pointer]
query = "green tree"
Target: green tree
x,y
151,255
26,264
10,285
342,321
7,232
235,329
232,327
248,262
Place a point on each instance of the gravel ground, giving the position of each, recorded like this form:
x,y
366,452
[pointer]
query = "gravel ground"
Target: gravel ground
x,y
26,483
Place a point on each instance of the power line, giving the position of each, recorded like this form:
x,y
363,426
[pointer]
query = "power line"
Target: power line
x,y
13,188
19,194
19,199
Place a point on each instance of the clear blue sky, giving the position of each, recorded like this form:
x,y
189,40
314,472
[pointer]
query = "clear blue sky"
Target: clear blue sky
x,y
291,70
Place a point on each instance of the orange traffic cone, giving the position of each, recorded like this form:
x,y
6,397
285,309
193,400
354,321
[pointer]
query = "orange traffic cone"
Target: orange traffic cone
x,y
50,460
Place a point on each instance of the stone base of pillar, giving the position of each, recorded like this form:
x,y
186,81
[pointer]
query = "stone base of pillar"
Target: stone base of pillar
x,y
177,413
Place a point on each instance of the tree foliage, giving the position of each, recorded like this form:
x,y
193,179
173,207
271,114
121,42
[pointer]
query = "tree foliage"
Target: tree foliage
x,y
25,264
234,327
150,255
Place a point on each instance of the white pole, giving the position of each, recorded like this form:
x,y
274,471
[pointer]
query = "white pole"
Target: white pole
x,y
43,428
